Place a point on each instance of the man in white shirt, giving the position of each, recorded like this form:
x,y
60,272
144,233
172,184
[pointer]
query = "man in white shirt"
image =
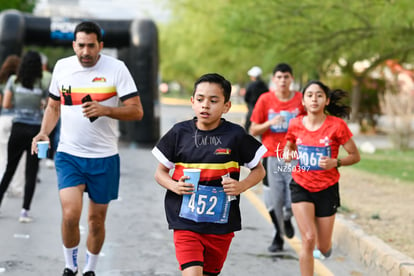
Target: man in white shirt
x,y
85,91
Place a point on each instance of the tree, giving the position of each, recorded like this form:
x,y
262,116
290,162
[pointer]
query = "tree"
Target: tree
x,y
21,5
398,105
312,35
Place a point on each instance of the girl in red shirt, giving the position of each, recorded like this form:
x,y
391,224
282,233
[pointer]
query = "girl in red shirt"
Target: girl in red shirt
x,y
315,139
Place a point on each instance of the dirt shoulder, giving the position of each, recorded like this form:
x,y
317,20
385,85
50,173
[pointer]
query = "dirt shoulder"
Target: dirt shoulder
x,y
381,206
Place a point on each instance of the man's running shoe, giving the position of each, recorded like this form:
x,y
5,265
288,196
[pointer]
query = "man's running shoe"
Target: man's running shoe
x,y
68,272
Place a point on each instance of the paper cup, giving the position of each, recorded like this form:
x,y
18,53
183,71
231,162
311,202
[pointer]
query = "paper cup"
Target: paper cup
x,y
42,148
194,175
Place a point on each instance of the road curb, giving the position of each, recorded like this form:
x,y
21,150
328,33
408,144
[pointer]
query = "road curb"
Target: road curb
x,y
378,257
370,251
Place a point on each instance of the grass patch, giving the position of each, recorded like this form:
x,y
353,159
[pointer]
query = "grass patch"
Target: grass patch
x,y
344,209
376,216
391,163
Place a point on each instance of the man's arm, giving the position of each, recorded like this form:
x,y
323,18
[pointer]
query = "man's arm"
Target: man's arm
x,y
130,110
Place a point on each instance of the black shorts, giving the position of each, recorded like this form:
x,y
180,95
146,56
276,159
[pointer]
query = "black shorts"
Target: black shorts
x,y
326,201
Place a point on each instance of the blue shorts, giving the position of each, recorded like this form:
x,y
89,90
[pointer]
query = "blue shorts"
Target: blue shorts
x,y
100,175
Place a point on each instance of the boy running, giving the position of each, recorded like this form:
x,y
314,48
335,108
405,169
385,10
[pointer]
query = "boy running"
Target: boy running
x,y
204,220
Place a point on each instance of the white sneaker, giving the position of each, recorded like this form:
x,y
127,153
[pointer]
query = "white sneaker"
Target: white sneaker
x,y
50,164
24,217
318,254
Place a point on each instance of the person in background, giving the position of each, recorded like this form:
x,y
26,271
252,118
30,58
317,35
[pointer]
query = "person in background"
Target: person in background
x,y
316,139
219,148
8,68
89,92
23,93
254,89
47,76
270,119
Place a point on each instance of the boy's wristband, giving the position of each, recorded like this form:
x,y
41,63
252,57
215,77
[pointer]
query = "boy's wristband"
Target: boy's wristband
x,y
338,163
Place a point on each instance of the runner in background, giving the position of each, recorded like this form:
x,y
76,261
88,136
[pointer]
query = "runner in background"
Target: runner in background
x,y
254,89
270,119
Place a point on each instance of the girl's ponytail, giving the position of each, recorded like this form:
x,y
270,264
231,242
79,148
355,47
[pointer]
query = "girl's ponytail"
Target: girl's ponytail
x,y
335,107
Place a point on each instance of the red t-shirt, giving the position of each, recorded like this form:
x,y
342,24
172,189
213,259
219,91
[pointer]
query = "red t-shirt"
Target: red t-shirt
x,y
324,141
269,105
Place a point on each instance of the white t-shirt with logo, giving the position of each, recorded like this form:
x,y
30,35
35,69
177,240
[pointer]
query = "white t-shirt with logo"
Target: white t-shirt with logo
x,y
107,82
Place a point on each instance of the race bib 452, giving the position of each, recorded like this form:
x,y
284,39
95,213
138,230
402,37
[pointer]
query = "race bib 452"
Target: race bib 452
x,y
208,204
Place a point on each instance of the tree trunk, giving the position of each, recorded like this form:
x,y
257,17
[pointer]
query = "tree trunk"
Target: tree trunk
x,y
356,99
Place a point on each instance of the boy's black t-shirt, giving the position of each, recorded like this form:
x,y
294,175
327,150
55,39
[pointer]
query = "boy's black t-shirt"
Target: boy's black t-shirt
x,y
216,152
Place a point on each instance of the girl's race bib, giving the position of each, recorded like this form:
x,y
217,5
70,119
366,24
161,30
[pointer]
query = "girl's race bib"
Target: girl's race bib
x,y
309,156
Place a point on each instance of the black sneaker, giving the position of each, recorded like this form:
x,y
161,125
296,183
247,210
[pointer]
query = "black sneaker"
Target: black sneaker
x,y
68,272
277,244
274,247
89,273
289,230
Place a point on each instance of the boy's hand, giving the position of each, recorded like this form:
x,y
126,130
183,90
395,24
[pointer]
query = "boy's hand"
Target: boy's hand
x,y
231,186
182,187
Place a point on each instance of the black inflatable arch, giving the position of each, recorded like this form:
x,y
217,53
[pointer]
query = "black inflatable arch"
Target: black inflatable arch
x,y
137,44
